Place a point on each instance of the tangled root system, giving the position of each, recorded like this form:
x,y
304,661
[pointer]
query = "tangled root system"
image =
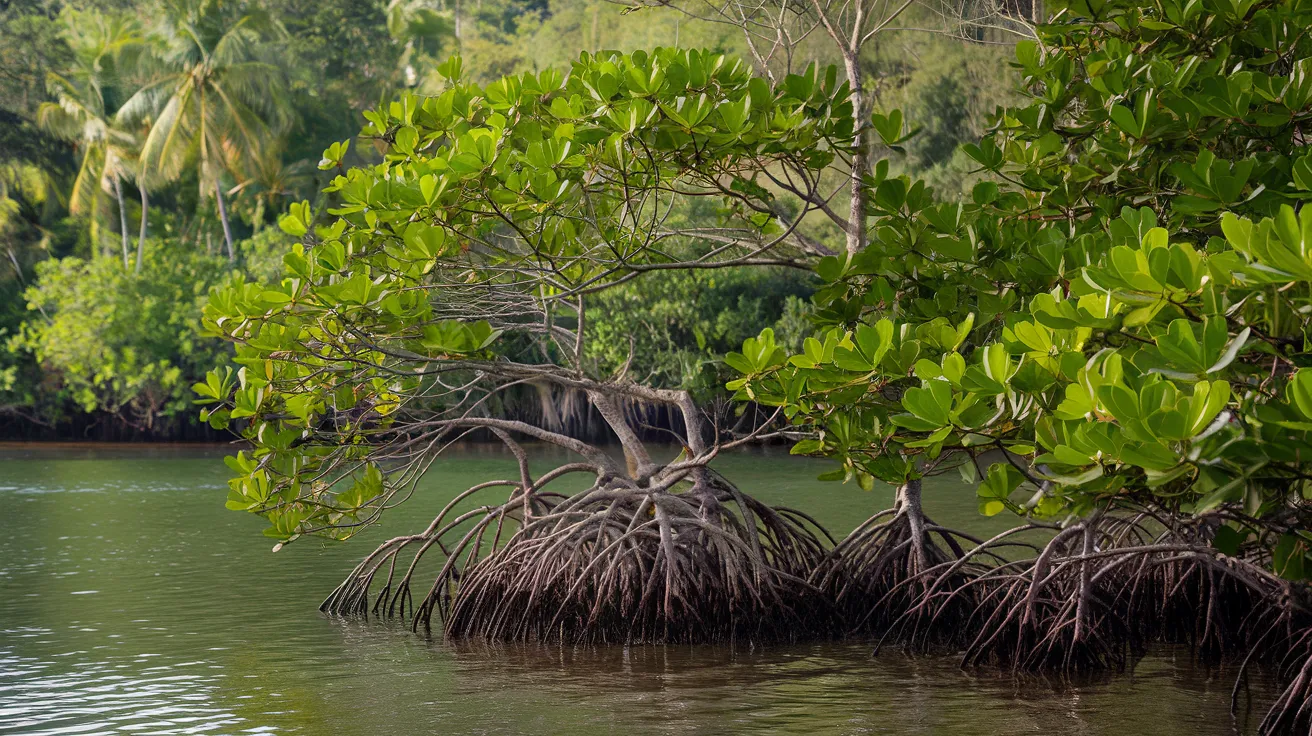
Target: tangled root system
x,y
1102,591
615,564
626,565
692,559
1054,613
900,577
1203,601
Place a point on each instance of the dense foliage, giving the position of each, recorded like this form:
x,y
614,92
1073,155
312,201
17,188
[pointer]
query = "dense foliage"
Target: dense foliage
x,y
1122,320
1109,336
495,214
674,330
1099,318
461,267
120,128
124,345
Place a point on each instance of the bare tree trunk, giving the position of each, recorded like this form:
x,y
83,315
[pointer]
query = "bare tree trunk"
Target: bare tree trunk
x,y
122,218
145,214
578,335
849,43
908,502
856,218
223,217
596,41
1086,588
636,457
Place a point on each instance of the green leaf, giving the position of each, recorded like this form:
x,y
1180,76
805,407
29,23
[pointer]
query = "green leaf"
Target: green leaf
x,y
1228,540
931,402
1124,120
806,447
1002,480
1299,390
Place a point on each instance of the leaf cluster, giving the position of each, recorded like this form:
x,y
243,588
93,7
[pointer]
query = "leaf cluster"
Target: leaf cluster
x,y
1118,316
495,212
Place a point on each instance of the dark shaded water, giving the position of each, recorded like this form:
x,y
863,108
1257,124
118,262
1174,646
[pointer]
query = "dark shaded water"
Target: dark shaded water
x,y
131,601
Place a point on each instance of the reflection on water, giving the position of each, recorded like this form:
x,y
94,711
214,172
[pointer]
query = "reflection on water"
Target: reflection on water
x,y
131,601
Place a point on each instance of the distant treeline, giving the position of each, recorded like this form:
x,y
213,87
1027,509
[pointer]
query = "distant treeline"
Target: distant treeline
x,y
147,150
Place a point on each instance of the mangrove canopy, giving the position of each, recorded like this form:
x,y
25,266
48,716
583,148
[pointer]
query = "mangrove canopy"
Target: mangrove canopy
x,y
1109,337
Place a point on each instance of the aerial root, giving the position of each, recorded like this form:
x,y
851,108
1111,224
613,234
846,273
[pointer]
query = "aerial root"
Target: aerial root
x,y
902,578
633,565
622,563
1101,592
616,563
1202,601
1053,614
898,579
1292,711
400,556
1091,597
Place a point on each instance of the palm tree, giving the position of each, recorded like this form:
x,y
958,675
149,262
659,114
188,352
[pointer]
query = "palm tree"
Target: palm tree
x,y
268,179
83,112
218,95
146,180
425,33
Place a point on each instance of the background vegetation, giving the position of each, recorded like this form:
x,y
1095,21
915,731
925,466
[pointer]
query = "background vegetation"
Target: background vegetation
x,y
146,147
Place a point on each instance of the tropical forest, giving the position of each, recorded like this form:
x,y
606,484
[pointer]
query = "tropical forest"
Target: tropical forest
x,y
656,366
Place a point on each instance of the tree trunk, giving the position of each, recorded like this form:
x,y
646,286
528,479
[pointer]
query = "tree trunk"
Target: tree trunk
x,y
223,217
908,502
122,219
856,218
596,40
145,213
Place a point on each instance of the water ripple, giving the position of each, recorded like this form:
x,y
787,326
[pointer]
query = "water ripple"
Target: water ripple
x,y
131,602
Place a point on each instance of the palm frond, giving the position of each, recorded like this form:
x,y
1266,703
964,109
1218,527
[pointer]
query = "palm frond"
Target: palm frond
x,y
149,100
86,196
167,147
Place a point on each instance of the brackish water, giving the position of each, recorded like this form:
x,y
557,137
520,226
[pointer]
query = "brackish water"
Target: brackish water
x,y
131,601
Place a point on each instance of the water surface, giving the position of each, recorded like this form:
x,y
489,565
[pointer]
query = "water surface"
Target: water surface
x,y
131,601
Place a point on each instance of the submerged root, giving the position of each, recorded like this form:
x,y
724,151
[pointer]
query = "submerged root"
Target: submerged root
x,y
899,576
621,564
1102,591
616,563
1292,711
397,559
635,561
1055,613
